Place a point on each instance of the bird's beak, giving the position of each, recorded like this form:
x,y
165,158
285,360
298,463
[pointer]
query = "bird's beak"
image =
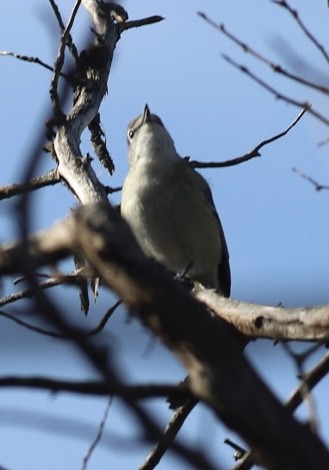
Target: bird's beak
x,y
146,114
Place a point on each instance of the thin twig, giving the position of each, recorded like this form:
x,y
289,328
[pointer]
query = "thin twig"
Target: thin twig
x,y
278,95
72,279
60,59
294,13
299,361
324,142
27,293
104,320
311,378
318,186
34,60
30,327
275,67
57,13
254,152
50,178
53,334
98,435
169,435
70,43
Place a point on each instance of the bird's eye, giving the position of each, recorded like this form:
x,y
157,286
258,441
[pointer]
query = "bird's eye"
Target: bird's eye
x,y
131,134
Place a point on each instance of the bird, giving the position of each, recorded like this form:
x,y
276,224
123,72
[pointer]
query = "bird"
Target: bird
x,y
170,209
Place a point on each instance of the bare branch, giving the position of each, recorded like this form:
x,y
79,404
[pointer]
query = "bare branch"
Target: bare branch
x,y
70,43
317,186
72,279
97,437
214,362
50,178
304,324
34,328
311,379
209,350
94,331
94,68
100,327
170,434
106,388
254,152
34,60
69,132
276,93
207,347
275,67
96,388
299,362
60,59
310,36
57,13
94,71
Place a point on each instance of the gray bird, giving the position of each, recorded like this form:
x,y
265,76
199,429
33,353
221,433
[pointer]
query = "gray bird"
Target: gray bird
x,y
170,209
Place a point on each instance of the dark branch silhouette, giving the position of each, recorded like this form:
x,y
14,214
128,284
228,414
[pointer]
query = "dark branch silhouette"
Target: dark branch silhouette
x,y
254,152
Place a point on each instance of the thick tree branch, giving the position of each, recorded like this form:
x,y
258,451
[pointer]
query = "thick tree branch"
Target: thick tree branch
x,y
72,167
311,379
218,372
206,345
263,321
252,320
171,431
93,72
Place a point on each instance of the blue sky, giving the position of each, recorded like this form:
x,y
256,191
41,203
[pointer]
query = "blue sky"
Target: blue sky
x,y
275,223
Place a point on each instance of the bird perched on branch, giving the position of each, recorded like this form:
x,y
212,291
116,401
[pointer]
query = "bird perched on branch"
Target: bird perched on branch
x,y
170,209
